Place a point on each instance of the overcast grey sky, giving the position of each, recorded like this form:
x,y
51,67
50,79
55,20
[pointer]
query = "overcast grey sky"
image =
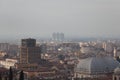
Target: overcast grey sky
x,y
40,18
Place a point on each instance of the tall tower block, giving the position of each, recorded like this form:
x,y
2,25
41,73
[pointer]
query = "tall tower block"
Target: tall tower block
x,y
29,52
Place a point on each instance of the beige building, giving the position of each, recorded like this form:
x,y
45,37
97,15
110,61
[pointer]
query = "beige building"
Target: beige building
x,y
8,63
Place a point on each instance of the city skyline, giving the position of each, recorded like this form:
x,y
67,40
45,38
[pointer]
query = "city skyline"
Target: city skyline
x,y
41,18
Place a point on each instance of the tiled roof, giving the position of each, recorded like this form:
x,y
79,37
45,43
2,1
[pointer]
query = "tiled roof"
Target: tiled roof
x,y
3,70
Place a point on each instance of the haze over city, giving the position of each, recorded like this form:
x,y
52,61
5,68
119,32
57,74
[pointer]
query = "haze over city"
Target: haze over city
x,y
75,18
59,40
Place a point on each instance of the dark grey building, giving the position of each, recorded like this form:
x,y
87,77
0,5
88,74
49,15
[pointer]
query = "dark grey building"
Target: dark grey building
x,y
29,52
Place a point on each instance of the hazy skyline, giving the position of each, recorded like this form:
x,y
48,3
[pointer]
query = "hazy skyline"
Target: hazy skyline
x,y
40,18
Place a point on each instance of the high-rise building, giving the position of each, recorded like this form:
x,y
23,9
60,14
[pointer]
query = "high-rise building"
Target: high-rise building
x,y
61,36
58,36
4,46
29,52
28,42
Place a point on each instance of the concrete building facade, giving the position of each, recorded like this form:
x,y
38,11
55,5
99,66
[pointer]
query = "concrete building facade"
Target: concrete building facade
x,y
29,52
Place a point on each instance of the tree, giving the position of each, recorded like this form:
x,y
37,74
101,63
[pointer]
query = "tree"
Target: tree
x,y
0,77
21,76
10,74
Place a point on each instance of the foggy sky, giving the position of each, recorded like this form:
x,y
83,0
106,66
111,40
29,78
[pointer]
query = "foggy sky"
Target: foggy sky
x,y
75,18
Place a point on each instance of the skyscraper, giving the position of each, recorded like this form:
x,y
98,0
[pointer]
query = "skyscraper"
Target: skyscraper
x,y
58,36
29,52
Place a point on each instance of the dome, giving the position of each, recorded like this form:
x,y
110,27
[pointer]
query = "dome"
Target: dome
x,y
97,65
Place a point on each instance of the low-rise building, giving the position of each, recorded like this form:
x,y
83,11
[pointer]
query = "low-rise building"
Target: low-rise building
x,y
8,63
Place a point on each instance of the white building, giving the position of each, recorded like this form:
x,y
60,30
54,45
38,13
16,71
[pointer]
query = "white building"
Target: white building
x,y
8,63
99,67
116,75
